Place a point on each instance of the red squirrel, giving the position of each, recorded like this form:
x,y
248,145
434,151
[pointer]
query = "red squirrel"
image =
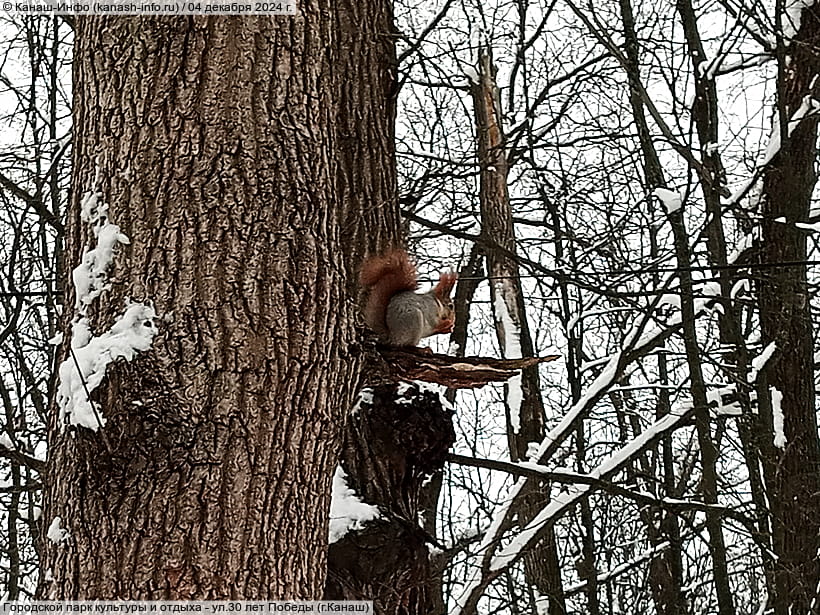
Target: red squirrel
x,y
399,315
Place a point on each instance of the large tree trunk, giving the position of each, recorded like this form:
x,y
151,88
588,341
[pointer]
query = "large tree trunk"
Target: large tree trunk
x,y
218,146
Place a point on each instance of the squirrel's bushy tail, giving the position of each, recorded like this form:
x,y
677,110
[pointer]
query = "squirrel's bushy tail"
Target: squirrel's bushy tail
x,y
383,276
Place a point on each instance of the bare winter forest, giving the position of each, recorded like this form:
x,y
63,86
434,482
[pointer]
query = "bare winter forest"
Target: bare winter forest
x,y
630,185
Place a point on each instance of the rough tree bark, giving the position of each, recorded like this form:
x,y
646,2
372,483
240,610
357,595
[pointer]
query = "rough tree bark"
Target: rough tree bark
x,y
396,440
220,145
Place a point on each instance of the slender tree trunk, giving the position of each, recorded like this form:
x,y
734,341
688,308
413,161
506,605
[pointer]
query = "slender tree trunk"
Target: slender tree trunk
x,y
792,473
666,568
468,280
705,115
217,144
585,563
523,402
708,451
13,547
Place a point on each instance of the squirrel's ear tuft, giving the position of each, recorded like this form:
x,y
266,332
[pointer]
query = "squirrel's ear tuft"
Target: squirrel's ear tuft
x,y
445,284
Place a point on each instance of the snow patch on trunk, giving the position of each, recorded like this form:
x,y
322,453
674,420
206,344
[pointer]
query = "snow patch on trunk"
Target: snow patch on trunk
x,y
132,333
347,511
89,355
759,362
365,397
670,199
793,16
89,276
6,442
777,418
512,350
56,533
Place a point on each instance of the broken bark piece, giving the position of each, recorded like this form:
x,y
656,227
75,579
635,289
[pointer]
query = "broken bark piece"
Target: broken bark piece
x,y
453,372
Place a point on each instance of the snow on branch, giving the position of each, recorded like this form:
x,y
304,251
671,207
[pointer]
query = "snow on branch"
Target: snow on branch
x,y
759,362
626,566
10,451
496,561
636,344
640,340
809,107
534,470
